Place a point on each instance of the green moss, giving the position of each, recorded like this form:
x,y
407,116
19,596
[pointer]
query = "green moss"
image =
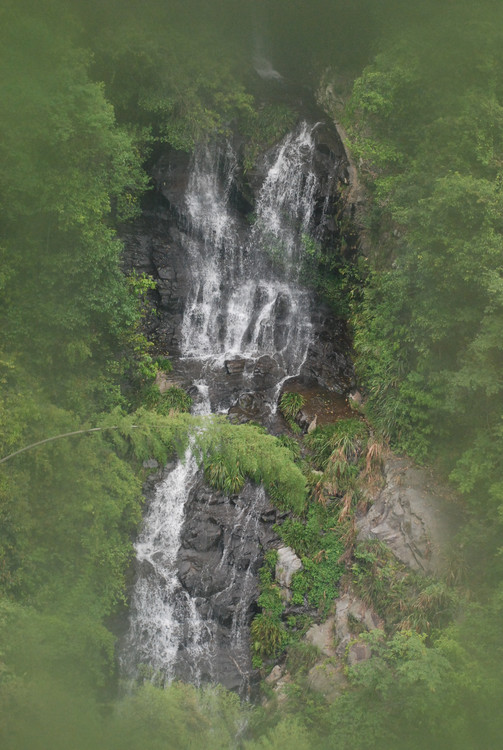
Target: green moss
x,y
233,452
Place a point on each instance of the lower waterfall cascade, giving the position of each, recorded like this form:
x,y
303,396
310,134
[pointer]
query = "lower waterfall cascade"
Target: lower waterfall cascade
x,y
239,324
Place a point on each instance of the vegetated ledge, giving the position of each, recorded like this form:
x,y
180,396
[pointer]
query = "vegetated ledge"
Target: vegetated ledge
x,y
401,532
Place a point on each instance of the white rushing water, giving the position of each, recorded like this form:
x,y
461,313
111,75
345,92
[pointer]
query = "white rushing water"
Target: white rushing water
x,y
241,304
163,614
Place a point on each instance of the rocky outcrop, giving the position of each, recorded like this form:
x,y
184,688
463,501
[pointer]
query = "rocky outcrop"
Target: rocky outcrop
x,y
336,643
332,96
158,244
323,637
222,547
287,565
352,617
413,515
327,363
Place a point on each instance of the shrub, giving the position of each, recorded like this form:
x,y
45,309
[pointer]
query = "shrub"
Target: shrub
x,y
232,452
222,475
174,399
290,404
403,598
346,436
268,635
292,445
318,581
301,657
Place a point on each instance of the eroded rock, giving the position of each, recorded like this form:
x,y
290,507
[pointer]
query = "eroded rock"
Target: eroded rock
x,y
288,564
415,517
322,636
352,616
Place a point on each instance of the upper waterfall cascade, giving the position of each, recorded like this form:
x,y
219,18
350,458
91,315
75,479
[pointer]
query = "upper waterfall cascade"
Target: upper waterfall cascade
x,y
240,302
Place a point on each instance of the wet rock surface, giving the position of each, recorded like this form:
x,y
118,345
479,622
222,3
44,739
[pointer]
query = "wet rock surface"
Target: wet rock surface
x,y
223,542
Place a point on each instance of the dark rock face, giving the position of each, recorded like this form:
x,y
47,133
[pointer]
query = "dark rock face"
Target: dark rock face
x,y
152,246
328,363
222,547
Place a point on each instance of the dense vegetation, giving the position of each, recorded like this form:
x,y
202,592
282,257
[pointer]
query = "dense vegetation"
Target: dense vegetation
x,y
89,91
425,121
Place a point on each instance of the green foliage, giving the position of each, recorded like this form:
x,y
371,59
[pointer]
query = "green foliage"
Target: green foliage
x,y
268,636
346,436
173,399
270,560
404,600
224,475
318,581
179,716
404,690
301,656
317,540
290,404
292,444
163,364
161,70
233,452
335,273
288,734
426,127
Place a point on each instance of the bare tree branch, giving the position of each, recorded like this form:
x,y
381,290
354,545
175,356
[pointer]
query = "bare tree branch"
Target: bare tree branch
x,y
57,437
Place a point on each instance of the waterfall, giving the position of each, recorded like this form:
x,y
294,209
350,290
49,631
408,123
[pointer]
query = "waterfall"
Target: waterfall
x,y
163,615
244,300
174,625
246,326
